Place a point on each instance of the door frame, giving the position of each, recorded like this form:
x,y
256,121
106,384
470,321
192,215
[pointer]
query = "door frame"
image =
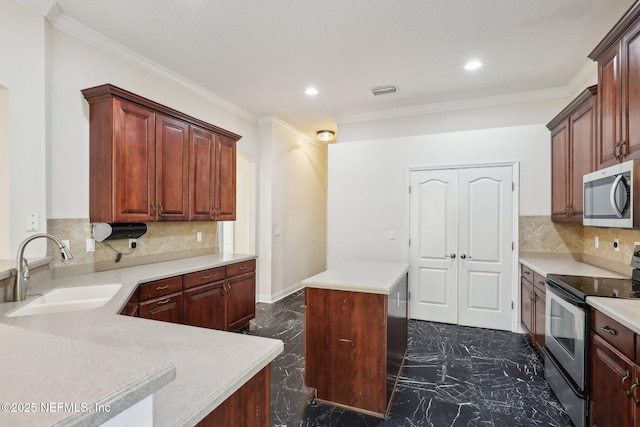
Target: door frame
x,y
515,261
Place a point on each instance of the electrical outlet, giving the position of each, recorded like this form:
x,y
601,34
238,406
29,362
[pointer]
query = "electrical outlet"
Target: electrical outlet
x,y
199,236
636,244
616,245
132,243
91,245
597,242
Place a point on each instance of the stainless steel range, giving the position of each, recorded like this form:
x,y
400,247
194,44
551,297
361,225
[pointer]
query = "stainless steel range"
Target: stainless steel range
x,y
567,333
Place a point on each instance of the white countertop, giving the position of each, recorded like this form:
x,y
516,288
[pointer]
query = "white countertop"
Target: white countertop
x,y
360,276
625,311
546,264
209,365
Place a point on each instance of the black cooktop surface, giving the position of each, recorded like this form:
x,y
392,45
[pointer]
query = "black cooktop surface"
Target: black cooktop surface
x,y
597,286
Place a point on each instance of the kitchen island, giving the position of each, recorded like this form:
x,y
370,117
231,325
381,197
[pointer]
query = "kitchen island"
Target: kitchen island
x,y
356,320
102,359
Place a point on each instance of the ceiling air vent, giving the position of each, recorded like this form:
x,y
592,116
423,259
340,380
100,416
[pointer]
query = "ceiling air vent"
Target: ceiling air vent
x,y
384,90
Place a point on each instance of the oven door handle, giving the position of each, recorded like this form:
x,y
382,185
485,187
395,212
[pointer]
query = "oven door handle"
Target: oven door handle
x,y
570,298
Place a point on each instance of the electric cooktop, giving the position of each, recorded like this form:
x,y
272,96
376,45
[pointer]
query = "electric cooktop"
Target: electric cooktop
x,y
583,287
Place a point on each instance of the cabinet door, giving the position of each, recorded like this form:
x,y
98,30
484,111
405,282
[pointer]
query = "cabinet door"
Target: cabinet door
x,y
560,170
203,306
131,307
202,173
526,306
539,319
172,169
582,126
611,376
134,156
631,92
166,309
609,108
225,193
240,300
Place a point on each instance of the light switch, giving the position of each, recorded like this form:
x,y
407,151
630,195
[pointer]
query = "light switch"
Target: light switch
x,y
392,234
91,245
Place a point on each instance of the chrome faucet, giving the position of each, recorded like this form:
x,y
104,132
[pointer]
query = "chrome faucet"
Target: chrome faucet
x,y
22,267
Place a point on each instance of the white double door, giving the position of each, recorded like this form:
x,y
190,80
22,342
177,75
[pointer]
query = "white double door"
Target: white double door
x,y
461,229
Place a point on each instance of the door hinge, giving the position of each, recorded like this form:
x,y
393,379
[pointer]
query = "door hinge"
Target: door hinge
x,y
409,189
512,306
409,242
513,186
513,246
408,295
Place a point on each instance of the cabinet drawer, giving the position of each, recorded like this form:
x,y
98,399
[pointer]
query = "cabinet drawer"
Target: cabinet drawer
x,y
540,281
159,288
527,273
203,277
241,268
619,336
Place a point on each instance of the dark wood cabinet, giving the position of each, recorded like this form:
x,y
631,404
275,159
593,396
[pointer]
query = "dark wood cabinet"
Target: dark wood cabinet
x,y
218,298
149,162
573,154
203,306
172,169
166,308
248,407
618,57
354,345
615,375
533,297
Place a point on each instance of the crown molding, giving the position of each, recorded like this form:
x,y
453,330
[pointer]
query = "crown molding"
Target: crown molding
x,y
286,127
465,104
587,75
61,22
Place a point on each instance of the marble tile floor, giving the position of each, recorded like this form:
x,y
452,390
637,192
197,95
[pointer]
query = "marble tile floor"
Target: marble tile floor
x,y
452,376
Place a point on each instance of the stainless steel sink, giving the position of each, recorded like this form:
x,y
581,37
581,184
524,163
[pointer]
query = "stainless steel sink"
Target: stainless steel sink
x,y
73,298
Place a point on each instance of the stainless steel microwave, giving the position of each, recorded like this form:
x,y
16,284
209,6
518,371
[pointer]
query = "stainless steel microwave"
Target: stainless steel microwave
x,y
609,196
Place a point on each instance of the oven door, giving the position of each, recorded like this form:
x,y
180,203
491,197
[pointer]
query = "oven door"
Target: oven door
x,y
565,332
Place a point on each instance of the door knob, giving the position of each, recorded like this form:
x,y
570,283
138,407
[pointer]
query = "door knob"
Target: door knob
x,y
463,256
452,256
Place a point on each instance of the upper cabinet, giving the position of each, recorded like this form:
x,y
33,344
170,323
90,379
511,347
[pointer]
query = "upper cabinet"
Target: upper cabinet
x,y
149,162
573,154
618,57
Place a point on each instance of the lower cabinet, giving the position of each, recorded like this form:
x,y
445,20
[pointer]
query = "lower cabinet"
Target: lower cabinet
x,y
615,375
219,298
247,407
533,297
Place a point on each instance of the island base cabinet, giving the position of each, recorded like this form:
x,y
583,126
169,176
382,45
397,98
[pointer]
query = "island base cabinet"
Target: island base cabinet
x,y
250,406
347,348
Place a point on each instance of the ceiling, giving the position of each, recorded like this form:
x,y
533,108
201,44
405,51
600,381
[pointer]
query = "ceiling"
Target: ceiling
x,y
261,55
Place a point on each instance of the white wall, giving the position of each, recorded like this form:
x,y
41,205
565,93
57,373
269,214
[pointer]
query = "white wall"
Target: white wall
x,y
23,74
292,209
366,193
5,169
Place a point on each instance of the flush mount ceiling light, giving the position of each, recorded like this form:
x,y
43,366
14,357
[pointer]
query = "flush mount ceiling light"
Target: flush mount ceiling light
x,y
472,65
311,91
325,135
384,90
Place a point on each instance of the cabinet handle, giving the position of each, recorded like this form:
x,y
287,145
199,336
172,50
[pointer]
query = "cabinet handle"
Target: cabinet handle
x,y
344,340
532,295
527,272
612,331
160,208
228,288
244,267
632,394
164,301
541,282
208,276
153,209
162,288
624,379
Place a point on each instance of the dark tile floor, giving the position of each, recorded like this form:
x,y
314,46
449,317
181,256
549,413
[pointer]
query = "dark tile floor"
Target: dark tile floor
x,y
452,376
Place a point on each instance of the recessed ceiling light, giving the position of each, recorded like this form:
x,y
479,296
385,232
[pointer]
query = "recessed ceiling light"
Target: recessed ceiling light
x,y
311,91
472,65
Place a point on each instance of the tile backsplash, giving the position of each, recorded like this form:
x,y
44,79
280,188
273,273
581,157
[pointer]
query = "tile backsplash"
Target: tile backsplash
x,y
540,234
162,241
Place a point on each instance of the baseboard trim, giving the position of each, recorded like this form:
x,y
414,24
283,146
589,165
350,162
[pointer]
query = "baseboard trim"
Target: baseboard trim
x,y
270,299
